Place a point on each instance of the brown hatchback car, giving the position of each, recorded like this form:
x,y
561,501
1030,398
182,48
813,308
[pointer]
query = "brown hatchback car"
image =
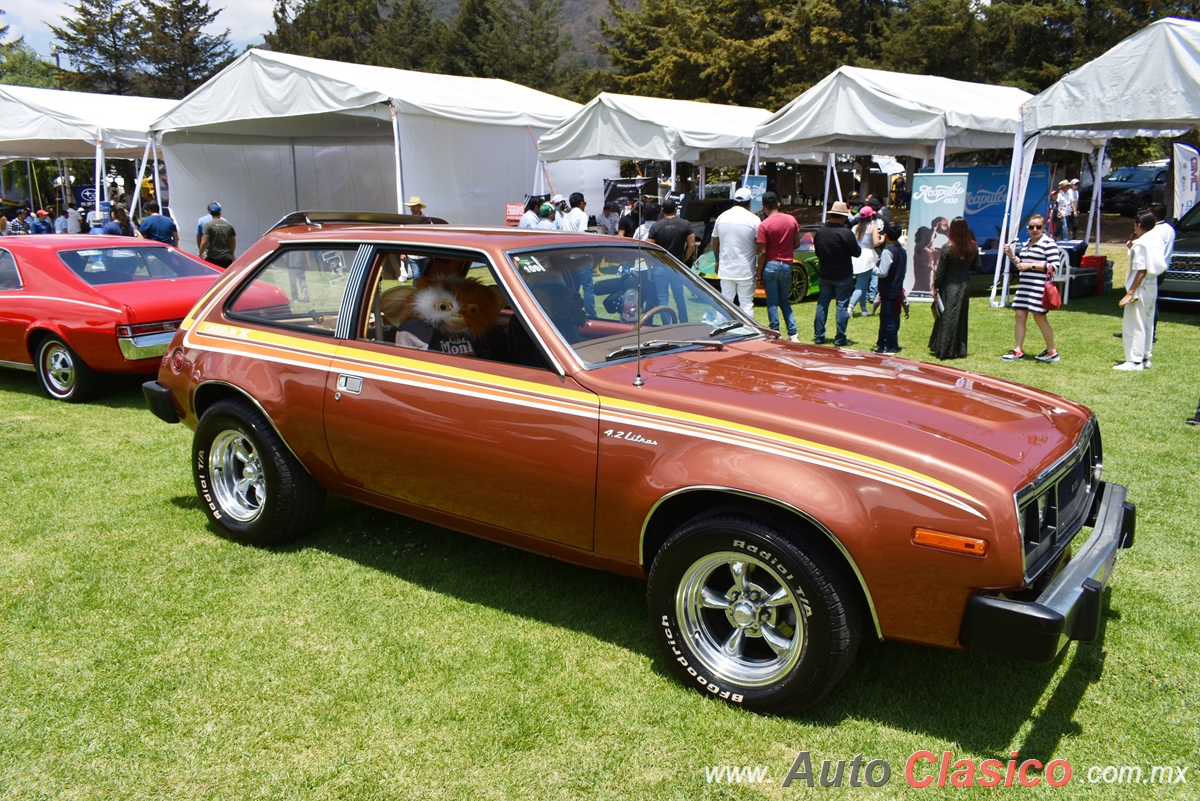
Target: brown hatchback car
x,y
783,500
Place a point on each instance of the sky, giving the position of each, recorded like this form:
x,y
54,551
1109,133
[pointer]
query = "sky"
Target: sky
x,y
247,21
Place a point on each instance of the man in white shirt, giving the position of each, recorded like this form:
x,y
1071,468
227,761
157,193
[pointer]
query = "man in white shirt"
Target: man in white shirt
x,y
576,219
1075,205
530,218
735,251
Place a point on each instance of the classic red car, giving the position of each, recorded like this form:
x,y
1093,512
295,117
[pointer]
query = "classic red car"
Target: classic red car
x,y
782,499
72,307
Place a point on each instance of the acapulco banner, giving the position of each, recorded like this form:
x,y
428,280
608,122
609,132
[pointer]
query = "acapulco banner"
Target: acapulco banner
x,y
1187,179
987,191
937,199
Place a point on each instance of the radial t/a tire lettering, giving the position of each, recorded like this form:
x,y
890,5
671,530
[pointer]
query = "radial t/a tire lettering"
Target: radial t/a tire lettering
x,y
252,488
752,616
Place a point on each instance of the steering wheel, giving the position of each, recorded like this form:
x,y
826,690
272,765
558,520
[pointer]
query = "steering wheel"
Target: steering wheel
x,y
666,311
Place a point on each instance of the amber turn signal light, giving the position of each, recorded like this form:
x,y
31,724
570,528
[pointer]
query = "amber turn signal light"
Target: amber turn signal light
x,y
950,542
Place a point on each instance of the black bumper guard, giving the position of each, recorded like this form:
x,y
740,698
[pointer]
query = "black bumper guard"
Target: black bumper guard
x,y
1069,608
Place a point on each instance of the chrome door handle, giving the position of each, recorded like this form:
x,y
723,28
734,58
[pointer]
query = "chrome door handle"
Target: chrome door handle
x,y
350,383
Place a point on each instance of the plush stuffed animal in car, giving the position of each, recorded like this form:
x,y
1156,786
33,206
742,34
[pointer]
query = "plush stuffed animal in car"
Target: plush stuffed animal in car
x,y
448,314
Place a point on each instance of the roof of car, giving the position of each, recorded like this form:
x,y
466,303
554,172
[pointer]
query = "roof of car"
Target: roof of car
x,y
58,242
444,235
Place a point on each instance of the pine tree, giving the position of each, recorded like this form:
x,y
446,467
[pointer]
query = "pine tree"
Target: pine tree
x,y
412,38
339,30
481,41
178,55
102,38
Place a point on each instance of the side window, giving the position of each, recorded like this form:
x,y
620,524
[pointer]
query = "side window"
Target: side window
x,y
442,302
300,288
9,277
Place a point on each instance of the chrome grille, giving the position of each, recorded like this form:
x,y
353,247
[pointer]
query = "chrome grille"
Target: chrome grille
x,y
1055,507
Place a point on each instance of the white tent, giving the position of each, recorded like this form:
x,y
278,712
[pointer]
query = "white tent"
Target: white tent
x,y
1148,85
273,133
616,126
53,124
862,111
50,123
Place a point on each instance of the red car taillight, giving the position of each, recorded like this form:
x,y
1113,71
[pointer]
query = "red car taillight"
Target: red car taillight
x,y
147,328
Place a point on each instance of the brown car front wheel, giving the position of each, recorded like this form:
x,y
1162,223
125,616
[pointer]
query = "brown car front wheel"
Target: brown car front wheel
x,y
747,614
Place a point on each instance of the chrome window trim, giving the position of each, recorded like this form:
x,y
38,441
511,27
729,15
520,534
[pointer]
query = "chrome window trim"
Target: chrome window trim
x,y
20,281
774,501
473,254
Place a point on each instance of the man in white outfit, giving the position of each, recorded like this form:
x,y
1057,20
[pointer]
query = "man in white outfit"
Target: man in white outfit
x,y
735,251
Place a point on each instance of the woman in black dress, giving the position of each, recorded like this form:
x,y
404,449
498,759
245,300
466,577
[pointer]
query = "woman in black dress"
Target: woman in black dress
x,y
952,286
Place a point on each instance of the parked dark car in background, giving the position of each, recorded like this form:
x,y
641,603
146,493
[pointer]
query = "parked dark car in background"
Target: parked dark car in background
x,y
1127,190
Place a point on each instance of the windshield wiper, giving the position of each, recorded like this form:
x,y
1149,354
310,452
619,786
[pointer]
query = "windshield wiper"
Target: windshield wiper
x,y
653,345
729,326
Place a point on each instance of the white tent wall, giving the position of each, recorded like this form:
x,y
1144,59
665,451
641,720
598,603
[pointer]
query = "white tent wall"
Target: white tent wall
x,y
463,172
258,182
588,177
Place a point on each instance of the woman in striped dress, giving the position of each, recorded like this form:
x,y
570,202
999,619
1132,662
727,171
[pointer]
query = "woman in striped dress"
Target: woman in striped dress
x,y
1035,260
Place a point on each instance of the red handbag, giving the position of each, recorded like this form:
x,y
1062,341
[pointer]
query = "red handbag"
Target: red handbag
x,y
1051,299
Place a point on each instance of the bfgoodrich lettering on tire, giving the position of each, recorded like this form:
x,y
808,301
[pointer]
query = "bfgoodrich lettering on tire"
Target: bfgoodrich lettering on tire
x,y
252,488
751,616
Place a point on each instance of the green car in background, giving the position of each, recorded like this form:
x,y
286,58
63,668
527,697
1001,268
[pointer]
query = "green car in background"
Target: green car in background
x,y
804,270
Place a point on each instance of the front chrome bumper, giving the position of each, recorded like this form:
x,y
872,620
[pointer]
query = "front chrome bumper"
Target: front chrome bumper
x,y
1069,607
150,346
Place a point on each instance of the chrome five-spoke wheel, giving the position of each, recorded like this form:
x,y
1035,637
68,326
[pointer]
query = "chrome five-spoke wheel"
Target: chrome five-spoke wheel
x,y
237,475
746,625
755,609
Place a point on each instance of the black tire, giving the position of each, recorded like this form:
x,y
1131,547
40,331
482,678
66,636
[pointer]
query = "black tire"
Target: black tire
x,y
251,486
816,617
65,376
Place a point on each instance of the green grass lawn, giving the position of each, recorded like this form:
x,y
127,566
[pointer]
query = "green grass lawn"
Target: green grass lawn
x,y
144,657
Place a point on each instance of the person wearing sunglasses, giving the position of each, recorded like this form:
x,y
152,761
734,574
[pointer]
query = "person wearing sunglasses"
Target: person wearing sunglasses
x,y
1035,260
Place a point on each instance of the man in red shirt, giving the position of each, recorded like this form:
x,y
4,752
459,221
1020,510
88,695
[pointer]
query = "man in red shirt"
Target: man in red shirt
x,y
778,237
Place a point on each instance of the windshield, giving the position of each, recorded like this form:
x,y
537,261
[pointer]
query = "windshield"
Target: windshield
x,y
626,286
122,265
1126,175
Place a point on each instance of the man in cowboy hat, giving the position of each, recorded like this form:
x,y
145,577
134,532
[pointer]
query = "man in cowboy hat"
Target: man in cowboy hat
x,y
415,207
836,247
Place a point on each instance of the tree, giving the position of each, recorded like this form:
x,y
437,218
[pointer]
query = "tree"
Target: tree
x,y
932,37
481,39
102,39
412,38
538,40
21,66
178,55
340,30
744,52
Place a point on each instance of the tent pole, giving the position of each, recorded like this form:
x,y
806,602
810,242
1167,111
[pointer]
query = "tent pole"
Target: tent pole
x,y
939,157
32,186
399,168
825,198
158,198
703,179
99,172
1013,171
673,187
1097,197
137,185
